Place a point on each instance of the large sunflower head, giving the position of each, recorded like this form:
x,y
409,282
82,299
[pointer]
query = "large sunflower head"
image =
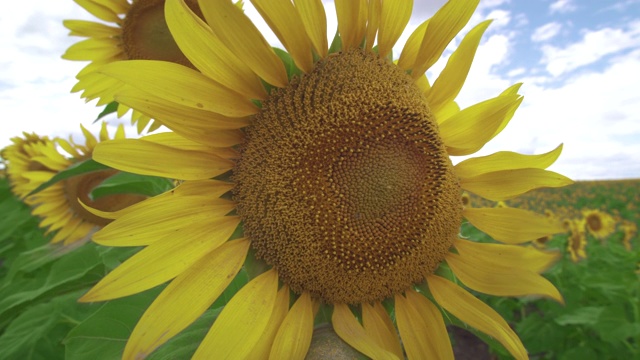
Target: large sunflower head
x,y
336,163
125,30
34,160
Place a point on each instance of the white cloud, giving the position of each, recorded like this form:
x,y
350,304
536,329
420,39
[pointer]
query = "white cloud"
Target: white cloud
x,y
594,45
546,31
562,6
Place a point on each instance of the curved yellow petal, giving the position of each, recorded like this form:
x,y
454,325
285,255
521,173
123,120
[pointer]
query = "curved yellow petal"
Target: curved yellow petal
x,y
450,81
493,278
294,337
474,312
411,48
181,85
446,112
422,328
198,43
147,158
379,327
352,22
394,17
505,160
512,90
527,257
185,215
240,325
373,22
510,225
93,49
100,11
186,298
443,27
162,260
349,329
507,184
284,20
90,29
242,37
314,20
262,349
176,116
469,130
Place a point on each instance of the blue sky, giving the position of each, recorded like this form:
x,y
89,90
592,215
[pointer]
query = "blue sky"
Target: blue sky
x,y
579,61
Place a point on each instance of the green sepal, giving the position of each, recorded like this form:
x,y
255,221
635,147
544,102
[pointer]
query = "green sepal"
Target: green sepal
x,y
128,183
109,109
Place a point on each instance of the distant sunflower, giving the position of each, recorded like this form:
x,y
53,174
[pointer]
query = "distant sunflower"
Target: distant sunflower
x,y
34,160
466,199
134,30
577,241
599,224
342,183
629,229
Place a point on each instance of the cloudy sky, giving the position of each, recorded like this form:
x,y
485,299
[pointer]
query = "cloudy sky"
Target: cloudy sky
x,y
579,61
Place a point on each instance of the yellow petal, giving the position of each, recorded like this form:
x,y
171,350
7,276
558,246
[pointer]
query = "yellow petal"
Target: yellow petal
x,y
505,160
422,328
186,298
198,43
176,116
314,20
477,314
373,22
99,11
181,85
240,325
262,349
508,255
513,89
350,330
510,225
507,184
156,219
294,337
242,37
443,27
174,140
411,48
446,112
162,261
379,327
284,20
90,29
450,81
93,49
394,18
211,188
147,158
491,277
469,130
352,22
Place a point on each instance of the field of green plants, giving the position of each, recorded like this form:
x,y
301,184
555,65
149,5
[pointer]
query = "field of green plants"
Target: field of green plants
x,y
40,283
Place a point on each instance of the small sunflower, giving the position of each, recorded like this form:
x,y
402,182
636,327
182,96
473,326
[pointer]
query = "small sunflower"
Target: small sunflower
x,y
34,160
599,224
339,174
577,241
629,229
129,30
466,199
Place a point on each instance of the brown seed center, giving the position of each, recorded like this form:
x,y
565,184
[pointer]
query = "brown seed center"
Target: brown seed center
x,y
344,184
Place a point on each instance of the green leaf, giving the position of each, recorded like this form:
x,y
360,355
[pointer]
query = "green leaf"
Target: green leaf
x,y
104,334
79,168
109,109
184,345
587,315
289,64
128,183
613,325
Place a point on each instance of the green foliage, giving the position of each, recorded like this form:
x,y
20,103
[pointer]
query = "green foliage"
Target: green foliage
x,y
79,168
127,183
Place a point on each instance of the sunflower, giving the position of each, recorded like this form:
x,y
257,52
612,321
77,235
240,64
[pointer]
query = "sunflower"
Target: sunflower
x,y
629,229
129,29
466,199
339,175
34,160
577,241
599,224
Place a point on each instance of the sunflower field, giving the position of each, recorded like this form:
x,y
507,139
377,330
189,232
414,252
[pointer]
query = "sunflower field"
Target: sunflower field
x,y
302,203
40,317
